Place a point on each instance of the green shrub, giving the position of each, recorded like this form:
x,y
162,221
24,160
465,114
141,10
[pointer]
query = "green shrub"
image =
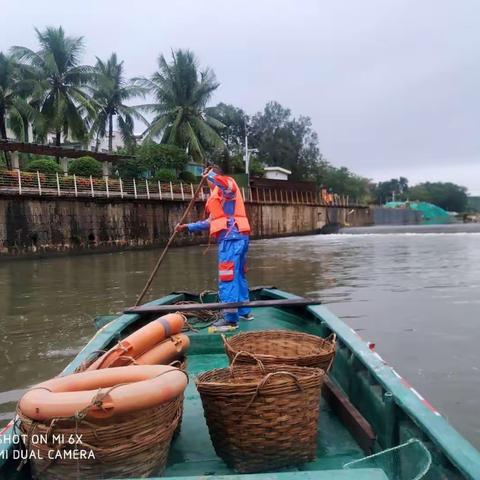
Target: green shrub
x,y
165,175
85,166
188,177
154,157
44,165
129,168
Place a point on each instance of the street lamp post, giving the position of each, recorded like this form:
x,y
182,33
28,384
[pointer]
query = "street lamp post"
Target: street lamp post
x,y
246,157
246,154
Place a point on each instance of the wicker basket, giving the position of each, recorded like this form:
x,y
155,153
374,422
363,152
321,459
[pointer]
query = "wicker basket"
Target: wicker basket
x,y
124,446
182,365
262,417
284,347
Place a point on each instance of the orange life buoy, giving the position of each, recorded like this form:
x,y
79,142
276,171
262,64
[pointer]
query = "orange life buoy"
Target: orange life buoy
x,y
140,341
138,387
165,352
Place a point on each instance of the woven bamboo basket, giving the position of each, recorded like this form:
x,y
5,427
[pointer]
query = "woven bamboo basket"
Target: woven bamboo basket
x,y
182,365
124,446
282,347
262,417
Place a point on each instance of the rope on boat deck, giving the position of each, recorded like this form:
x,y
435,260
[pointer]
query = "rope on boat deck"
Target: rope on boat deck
x,y
199,319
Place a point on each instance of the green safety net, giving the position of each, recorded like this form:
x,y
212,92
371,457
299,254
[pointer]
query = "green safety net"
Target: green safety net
x,y
429,211
409,461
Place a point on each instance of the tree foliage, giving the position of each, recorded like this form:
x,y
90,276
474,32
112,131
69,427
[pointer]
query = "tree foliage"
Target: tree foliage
x,y
165,175
285,141
49,90
11,97
44,165
129,168
154,156
473,204
344,182
110,91
234,122
181,93
85,166
150,158
58,89
187,177
394,188
447,195
15,111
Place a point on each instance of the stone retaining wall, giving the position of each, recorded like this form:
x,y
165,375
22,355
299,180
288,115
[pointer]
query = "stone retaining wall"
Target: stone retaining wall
x,y
43,226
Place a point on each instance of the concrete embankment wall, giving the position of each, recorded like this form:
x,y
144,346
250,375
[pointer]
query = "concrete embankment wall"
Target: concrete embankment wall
x,y
395,216
44,226
359,217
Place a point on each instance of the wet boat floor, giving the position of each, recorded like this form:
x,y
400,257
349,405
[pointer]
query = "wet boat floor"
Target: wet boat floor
x,y
192,452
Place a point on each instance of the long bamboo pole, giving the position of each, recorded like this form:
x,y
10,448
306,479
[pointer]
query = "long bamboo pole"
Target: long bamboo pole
x,y
170,240
289,302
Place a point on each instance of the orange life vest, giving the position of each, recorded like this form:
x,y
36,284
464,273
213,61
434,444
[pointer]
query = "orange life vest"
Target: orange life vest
x,y
325,197
218,219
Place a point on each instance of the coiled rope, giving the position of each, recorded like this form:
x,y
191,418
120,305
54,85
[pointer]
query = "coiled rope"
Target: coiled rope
x,y
200,319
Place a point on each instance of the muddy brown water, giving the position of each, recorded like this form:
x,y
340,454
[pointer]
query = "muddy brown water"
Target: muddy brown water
x,y
415,292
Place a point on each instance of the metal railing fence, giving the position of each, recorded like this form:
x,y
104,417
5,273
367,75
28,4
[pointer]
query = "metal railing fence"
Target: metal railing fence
x,y
14,182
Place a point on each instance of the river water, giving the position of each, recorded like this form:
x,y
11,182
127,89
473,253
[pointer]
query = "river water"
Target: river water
x,y
413,291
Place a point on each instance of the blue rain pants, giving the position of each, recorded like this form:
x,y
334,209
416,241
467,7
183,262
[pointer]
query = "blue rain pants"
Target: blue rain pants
x,y
232,283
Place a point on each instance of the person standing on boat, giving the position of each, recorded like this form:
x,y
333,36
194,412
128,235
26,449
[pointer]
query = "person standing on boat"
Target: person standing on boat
x,y
228,224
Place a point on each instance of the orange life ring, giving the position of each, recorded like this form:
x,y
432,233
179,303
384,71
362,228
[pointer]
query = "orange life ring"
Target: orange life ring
x,y
138,387
140,341
165,352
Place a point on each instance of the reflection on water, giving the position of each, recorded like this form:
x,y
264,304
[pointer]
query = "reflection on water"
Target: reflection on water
x,y
415,292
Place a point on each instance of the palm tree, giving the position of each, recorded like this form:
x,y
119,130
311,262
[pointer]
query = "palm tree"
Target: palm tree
x,y
110,91
59,93
14,107
181,94
8,90
8,94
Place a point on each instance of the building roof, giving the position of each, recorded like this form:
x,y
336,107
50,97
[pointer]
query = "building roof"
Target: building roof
x,y
277,169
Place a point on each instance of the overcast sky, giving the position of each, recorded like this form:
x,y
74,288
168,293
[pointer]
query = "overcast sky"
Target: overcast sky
x,y
392,86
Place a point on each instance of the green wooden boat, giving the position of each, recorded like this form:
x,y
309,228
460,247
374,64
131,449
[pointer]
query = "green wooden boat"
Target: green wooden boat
x,y
367,408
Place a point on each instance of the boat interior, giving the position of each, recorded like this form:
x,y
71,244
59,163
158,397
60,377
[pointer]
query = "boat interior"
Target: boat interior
x,y
359,418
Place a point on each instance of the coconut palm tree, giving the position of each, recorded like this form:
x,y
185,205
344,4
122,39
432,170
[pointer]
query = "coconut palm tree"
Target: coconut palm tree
x,y
8,94
181,94
8,90
15,111
59,94
110,91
